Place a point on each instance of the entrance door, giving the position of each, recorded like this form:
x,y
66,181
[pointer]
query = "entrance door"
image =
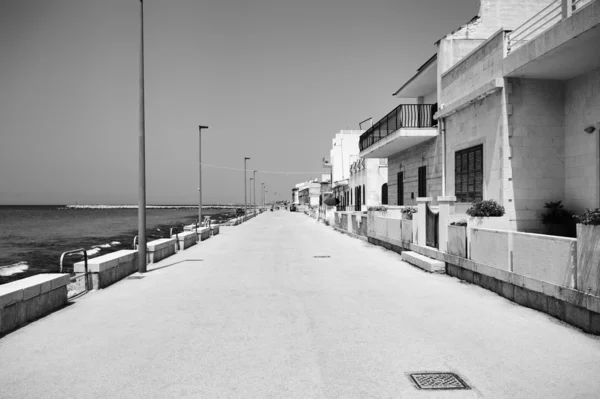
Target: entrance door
x,y
401,188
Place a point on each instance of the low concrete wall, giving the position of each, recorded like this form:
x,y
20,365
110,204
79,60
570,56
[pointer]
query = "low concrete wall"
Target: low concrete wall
x,y
203,234
415,229
110,268
215,230
545,258
379,227
161,249
186,239
394,230
344,221
489,247
355,220
26,300
588,259
406,230
457,240
364,225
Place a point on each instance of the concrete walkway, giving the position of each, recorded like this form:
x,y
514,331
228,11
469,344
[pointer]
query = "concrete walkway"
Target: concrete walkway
x,y
251,313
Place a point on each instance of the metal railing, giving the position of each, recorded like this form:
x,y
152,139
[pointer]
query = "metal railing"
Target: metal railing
x,y
403,116
549,16
85,262
535,25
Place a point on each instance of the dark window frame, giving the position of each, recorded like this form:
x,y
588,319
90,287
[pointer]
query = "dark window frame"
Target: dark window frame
x,y
468,174
400,188
422,181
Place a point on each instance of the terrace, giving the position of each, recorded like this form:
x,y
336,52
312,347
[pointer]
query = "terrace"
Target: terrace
x,y
404,127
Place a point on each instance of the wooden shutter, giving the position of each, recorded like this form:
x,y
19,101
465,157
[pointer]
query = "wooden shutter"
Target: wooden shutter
x,y
468,174
422,192
400,188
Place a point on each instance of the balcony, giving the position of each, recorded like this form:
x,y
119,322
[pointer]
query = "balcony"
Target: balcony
x,y
558,43
406,126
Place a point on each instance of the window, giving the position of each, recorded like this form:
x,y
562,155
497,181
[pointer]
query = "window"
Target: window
x,y
363,195
422,181
468,174
384,194
400,188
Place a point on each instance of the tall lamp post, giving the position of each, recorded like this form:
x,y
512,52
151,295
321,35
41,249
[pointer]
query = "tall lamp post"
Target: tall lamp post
x,y
245,202
254,201
142,157
250,194
262,195
200,173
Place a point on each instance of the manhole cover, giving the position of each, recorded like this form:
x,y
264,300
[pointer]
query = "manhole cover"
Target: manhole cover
x,y
135,277
322,256
438,381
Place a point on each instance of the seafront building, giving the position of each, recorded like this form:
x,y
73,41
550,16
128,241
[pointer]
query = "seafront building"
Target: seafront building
x,y
499,112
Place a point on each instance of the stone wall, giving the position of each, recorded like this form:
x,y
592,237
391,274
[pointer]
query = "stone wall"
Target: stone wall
x,y
480,123
537,148
478,68
582,109
427,154
29,299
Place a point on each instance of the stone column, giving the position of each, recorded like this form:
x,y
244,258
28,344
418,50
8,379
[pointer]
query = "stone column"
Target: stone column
x,y
567,8
422,220
446,209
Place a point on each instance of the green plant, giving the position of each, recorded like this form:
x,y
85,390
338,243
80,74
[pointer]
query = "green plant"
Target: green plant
x,y
461,222
555,213
331,201
589,217
408,212
486,208
382,208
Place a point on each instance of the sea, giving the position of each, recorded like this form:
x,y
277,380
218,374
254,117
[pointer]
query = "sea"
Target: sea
x,y
32,238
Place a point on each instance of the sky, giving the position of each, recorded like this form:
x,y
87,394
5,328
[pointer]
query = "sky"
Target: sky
x,y
273,79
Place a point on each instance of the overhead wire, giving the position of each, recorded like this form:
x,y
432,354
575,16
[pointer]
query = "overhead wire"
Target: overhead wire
x,y
261,171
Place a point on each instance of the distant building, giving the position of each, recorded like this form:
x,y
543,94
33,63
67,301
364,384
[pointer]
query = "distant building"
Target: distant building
x,y
368,183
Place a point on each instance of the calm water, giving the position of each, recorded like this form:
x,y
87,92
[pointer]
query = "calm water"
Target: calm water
x,y
32,238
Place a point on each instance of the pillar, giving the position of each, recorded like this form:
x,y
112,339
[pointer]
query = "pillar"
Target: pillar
x,y
422,203
446,206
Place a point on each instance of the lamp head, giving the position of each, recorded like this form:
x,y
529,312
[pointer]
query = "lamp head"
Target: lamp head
x,y
246,158
589,129
202,127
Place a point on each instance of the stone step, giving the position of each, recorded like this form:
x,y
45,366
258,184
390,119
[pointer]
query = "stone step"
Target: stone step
x,y
423,262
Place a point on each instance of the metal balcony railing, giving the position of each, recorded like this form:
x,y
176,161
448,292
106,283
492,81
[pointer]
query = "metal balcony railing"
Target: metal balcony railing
x,y
549,16
403,116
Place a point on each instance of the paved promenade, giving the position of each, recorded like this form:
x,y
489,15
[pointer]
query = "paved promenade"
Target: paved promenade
x,y
251,313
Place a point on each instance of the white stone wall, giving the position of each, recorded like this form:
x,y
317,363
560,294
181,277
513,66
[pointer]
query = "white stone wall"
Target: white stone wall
x,y
473,71
344,146
582,109
537,144
480,123
427,154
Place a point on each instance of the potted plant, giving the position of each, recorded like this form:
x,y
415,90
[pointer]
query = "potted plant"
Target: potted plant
x,y
488,214
588,251
557,220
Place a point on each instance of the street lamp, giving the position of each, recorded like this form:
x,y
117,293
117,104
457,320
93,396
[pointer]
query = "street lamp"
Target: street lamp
x,y
262,193
200,172
250,195
245,202
142,157
254,201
